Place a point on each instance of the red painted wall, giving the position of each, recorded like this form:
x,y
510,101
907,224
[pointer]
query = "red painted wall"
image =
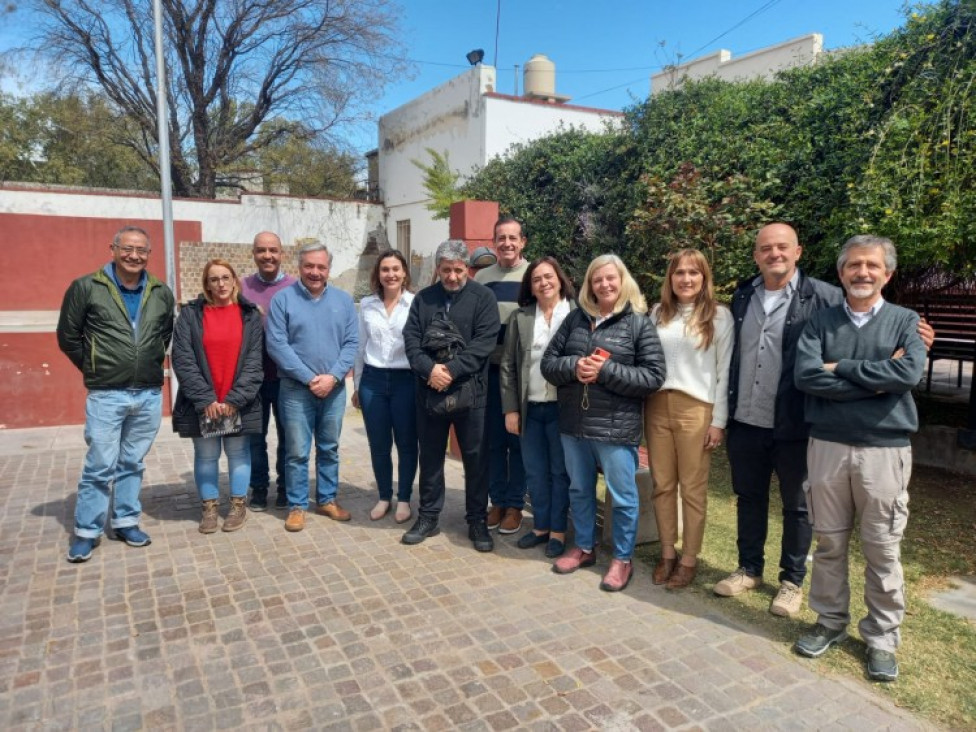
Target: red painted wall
x,y
473,222
47,252
39,386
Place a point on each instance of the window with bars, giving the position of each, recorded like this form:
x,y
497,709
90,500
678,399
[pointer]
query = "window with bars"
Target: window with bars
x,y
403,237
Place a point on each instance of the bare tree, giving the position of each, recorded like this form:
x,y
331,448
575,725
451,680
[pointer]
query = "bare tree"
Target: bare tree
x,y
231,65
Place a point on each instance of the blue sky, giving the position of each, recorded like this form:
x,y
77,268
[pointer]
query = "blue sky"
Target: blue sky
x,y
605,51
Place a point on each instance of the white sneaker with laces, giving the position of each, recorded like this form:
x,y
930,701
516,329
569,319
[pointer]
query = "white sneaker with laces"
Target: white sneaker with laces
x,y
788,600
737,583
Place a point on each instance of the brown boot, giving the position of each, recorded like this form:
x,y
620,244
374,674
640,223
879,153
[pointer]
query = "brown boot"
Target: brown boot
x,y
682,577
237,515
664,569
208,522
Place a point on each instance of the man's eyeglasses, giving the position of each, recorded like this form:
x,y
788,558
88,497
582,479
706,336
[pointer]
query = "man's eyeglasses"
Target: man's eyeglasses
x,y
217,280
129,251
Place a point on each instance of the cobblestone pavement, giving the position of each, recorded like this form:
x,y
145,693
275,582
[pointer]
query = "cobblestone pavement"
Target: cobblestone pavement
x,y
342,627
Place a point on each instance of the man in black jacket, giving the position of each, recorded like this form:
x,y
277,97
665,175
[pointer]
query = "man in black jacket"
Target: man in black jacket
x,y
767,431
460,375
115,326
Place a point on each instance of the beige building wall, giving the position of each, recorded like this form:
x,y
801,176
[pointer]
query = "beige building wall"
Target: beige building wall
x,y
761,64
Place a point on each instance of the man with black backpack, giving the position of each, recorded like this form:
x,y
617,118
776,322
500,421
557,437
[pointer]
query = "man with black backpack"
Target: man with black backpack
x,y
449,335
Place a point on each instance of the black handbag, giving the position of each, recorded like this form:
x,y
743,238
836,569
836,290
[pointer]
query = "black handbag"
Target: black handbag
x,y
456,400
443,341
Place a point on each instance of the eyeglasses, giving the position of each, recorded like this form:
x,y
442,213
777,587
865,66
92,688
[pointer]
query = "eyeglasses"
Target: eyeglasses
x,y
128,251
218,280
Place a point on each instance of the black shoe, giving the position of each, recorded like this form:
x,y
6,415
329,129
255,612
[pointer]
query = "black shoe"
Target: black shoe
x,y
259,499
532,539
882,665
425,527
555,548
281,502
478,533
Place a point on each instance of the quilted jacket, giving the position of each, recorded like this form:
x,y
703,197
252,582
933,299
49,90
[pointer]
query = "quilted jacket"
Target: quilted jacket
x,y
612,408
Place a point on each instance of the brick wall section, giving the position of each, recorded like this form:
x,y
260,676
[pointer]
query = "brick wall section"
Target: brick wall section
x,y
194,254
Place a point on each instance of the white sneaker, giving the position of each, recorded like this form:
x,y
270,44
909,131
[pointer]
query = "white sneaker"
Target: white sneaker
x,y
788,600
737,583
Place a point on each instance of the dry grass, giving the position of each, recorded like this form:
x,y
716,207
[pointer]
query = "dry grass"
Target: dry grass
x,y
937,658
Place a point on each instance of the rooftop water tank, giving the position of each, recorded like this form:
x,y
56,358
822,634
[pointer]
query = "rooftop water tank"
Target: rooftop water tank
x,y
539,80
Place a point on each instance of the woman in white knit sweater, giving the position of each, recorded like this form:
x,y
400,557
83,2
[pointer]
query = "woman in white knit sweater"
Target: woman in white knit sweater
x,y
685,420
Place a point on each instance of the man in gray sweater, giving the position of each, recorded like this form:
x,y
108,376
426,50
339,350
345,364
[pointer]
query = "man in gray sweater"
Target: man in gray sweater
x,y
857,364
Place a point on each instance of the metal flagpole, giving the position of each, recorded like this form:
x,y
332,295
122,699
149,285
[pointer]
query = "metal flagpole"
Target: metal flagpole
x,y
165,179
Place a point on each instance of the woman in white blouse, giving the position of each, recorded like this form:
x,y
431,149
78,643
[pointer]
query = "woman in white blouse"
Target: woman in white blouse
x,y
685,420
529,401
384,384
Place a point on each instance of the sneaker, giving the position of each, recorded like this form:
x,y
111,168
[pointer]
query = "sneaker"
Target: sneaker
x,y
882,665
80,549
815,643
576,559
494,518
259,500
237,516
511,522
424,528
478,533
281,502
736,583
132,536
532,539
788,600
334,511
555,548
295,520
618,576
208,517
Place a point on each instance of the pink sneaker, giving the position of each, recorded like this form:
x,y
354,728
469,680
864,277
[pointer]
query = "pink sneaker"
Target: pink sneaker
x,y
573,560
618,576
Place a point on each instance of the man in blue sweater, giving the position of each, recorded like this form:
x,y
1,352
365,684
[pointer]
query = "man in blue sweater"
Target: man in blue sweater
x,y
857,364
312,334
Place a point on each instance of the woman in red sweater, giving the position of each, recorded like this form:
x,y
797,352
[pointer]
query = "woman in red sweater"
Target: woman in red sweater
x,y
217,359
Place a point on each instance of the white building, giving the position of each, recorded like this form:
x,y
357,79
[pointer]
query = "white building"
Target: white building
x,y
472,123
761,64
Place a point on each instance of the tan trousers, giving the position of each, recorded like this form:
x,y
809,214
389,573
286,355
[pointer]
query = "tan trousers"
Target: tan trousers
x,y
844,484
675,425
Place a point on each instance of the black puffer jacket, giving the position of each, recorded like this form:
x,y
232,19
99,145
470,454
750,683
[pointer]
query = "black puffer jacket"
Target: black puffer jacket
x,y
196,390
614,410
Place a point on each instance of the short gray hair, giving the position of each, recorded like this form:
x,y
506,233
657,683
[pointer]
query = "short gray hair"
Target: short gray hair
x,y
315,246
869,240
116,240
451,250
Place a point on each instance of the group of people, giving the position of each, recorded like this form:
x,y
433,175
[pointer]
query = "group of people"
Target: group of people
x,y
543,390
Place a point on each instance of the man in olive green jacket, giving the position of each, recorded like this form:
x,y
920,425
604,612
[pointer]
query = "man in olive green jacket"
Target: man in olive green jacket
x,y
115,326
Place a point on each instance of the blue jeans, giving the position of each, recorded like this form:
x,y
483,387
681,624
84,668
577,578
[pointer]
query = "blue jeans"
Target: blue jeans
x,y
306,418
545,467
390,414
260,470
206,464
120,426
619,463
506,474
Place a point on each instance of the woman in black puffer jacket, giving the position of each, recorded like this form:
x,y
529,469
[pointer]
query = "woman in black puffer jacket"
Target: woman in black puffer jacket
x,y
604,360
217,358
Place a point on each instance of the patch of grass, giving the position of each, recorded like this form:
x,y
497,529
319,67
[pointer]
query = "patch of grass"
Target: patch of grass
x,y
937,657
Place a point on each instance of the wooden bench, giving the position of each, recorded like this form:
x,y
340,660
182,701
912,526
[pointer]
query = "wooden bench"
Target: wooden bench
x,y
953,316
